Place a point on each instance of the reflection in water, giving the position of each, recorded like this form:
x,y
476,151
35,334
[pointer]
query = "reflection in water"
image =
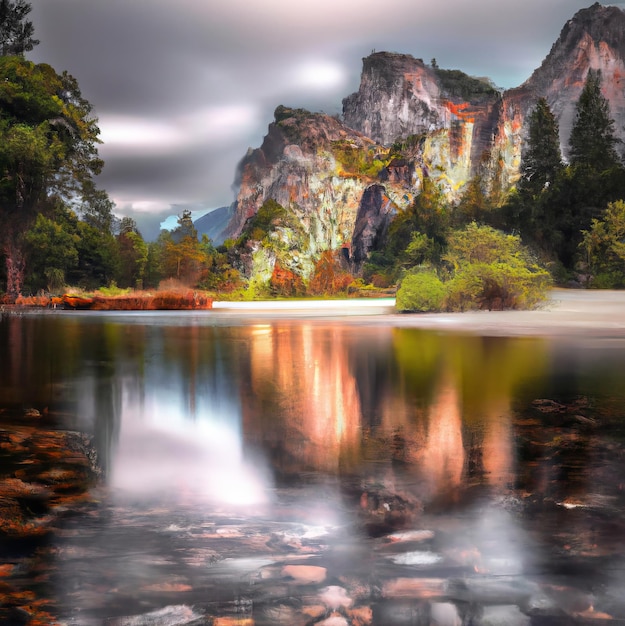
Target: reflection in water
x,y
383,474
305,394
442,458
162,451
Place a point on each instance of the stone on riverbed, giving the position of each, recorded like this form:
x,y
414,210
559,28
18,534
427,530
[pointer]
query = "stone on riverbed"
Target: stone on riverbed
x,y
178,615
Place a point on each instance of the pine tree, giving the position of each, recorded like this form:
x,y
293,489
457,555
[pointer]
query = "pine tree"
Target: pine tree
x,y
48,148
16,33
592,141
542,160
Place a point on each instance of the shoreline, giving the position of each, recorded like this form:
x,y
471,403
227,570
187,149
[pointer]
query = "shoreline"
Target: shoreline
x,y
565,312
583,313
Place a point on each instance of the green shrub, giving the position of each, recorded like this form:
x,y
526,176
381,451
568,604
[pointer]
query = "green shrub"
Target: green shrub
x,y
421,292
497,286
113,290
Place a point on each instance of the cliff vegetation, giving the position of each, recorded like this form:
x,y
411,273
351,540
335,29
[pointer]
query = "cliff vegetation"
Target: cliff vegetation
x,y
423,163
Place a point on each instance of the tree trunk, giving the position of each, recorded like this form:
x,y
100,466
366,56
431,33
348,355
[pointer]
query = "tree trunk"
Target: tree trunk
x,y
15,266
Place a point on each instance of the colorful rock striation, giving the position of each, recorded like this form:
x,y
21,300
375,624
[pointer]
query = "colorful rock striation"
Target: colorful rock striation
x,y
345,178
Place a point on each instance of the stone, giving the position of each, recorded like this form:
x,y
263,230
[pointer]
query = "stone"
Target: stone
x,y
305,574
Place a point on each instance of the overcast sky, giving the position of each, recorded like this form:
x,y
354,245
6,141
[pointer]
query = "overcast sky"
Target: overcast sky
x,y
183,88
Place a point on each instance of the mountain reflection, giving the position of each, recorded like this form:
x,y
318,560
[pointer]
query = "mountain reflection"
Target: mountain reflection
x,y
194,408
309,401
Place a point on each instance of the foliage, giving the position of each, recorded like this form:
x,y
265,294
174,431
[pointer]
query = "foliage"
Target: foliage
x,y
497,286
483,244
429,215
48,149
554,204
420,251
51,250
133,254
592,141
482,268
416,236
460,85
491,269
274,227
284,282
329,277
16,32
604,248
113,290
421,292
380,269
542,160
98,261
270,215
355,159
475,204
181,254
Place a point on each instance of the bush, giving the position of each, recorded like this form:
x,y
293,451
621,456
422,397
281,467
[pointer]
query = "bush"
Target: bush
x,y
421,292
497,286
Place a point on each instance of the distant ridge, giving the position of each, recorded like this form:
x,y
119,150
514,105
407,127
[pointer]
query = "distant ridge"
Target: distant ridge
x,y
214,223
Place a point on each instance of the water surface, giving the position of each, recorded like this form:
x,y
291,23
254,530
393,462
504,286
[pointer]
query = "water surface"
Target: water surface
x,y
299,470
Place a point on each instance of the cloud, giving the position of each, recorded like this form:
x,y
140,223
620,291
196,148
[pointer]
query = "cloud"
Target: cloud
x,y
183,89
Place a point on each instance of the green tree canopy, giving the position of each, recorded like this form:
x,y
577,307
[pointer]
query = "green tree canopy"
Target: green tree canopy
x,y
16,32
182,256
592,142
542,160
48,149
485,268
604,247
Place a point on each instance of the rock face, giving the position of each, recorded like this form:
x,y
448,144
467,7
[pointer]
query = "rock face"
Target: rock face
x,y
344,180
593,39
399,97
320,169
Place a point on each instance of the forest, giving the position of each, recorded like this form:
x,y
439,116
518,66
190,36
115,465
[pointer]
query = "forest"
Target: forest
x,y
562,224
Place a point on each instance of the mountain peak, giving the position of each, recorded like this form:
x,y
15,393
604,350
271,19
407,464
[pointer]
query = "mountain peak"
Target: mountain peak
x,y
594,38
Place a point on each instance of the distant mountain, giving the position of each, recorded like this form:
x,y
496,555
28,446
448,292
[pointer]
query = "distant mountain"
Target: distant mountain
x,y
345,178
593,39
214,223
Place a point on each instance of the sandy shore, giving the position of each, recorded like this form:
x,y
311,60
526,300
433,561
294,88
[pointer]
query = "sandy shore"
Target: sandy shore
x,y
567,312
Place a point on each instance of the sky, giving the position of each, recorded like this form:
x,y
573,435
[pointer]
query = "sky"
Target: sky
x,y
183,89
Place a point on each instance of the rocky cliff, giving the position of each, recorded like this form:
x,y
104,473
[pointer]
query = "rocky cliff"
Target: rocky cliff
x,y
345,178
321,170
400,96
593,39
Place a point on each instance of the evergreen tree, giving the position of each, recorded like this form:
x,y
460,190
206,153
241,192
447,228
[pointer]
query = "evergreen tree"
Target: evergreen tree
x,y
592,141
48,141
542,160
16,32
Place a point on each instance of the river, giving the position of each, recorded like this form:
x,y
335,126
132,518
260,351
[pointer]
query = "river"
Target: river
x,y
312,467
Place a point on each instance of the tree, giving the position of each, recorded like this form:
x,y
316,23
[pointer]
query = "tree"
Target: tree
x,y
491,269
542,159
133,254
475,205
482,268
604,248
98,257
428,214
16,32
51,249
329,277
592,141
181,254
48,140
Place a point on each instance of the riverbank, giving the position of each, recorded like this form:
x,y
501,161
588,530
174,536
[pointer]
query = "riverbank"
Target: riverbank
x,y
585,313
565,312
